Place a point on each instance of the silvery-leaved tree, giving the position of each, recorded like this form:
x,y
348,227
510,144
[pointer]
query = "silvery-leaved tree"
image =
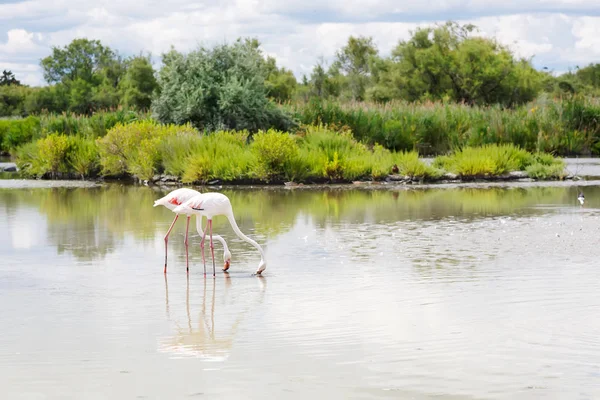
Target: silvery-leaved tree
x,y
223,87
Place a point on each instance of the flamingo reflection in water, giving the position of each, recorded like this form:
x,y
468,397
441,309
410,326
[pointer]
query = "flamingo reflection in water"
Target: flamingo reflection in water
x,y
201,341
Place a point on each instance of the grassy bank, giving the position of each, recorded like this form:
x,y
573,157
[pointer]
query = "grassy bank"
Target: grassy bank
x,y
144,149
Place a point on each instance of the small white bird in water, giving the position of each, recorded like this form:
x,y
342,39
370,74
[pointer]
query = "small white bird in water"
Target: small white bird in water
x,y
581,198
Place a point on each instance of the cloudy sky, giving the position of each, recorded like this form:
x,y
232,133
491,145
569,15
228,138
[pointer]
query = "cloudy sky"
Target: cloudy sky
x,y
560,34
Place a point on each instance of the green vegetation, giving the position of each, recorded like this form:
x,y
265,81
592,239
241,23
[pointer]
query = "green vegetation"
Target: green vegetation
x,y
496,160
57,156
144,149
231,113
235,86
565,127
219,88
15,132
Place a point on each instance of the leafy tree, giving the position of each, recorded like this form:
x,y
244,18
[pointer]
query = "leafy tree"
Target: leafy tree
x,y
317,80
8,78
446,62
138,84
281,83
589,76
89,71
81,59
81,94
218,88
584,80
354,60
54,98
326,83
385,81
12,100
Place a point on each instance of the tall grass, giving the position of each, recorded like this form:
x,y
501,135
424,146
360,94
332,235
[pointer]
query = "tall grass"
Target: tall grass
x,y
566,127
93,126
18,131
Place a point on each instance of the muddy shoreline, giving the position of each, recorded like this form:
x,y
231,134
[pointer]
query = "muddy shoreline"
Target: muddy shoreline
x,y
357,185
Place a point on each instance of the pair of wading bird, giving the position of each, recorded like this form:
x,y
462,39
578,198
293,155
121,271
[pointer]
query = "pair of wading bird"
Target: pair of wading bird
x,y
188,202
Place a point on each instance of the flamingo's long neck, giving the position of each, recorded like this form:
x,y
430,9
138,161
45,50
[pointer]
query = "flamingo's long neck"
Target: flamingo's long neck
x,y
231,219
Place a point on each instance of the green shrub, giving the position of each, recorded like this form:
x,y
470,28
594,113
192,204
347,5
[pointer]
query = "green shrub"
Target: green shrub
x,y
274,151
28,159
84,158
176,150
545,159
297,169
333,155
15,132
223,155
53,151
485,160
544,171
410,165
134,148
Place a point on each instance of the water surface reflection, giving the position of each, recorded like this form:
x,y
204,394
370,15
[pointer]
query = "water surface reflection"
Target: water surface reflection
x,y
201,337
394,293
90,223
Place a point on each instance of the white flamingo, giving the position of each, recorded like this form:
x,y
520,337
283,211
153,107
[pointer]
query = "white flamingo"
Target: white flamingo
x,y
174,199
210,205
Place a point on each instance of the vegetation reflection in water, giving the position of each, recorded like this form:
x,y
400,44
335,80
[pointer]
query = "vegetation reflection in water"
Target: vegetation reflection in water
x,y
92,222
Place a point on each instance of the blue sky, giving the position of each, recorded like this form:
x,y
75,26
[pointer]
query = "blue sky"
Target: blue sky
x,y
559,34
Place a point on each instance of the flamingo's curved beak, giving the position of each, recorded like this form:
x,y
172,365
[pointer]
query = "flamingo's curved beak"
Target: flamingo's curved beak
x,y
226,266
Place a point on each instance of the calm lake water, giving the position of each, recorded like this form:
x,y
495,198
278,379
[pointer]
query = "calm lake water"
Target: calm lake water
x,y
447,292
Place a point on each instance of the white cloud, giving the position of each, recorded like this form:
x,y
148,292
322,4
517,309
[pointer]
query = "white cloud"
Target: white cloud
x,y
20,41
560,33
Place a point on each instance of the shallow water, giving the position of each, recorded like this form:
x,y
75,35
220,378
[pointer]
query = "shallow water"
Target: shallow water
x,y
454,292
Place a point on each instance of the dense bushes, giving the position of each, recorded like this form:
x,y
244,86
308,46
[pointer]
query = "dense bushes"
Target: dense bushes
x,y
566,127
316,154
58,155
14,132
134,148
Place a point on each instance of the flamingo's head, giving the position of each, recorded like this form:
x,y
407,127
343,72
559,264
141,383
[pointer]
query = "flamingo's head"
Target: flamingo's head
x,y
184,208
261,267
227,259
160,202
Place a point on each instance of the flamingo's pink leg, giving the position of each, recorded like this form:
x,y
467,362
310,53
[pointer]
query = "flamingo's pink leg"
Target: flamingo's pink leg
x,y
167,240
202,247
212,247
187,262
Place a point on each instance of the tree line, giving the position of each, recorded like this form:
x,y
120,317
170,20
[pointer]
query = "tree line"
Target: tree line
x,y
234,86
